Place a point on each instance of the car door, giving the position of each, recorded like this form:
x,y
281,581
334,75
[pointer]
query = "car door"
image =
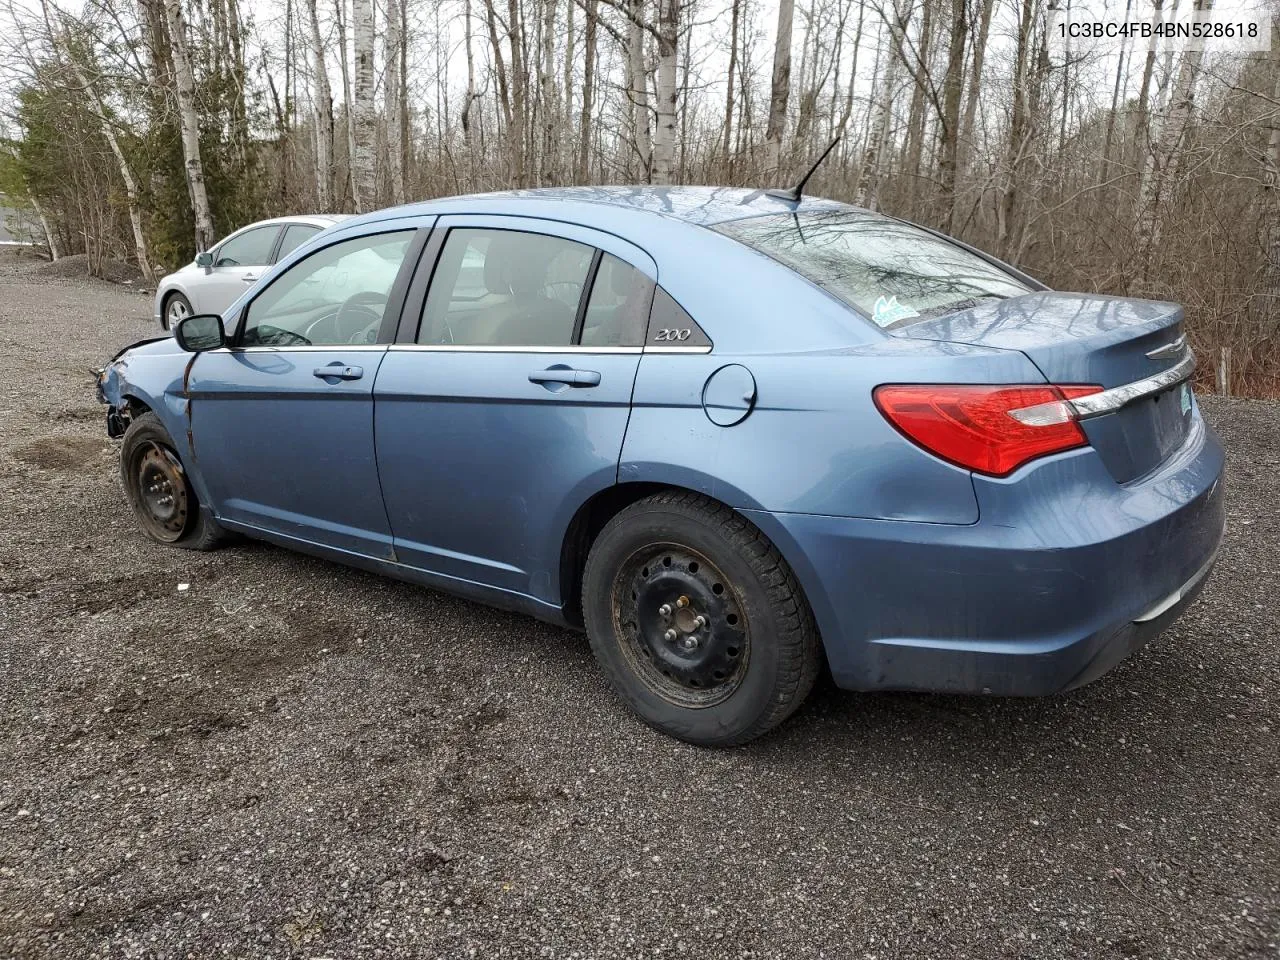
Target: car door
x,y
238,262
503,404
282,421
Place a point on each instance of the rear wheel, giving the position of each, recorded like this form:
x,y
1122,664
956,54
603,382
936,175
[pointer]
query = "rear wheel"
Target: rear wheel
x,y
697,620
176,309
162,497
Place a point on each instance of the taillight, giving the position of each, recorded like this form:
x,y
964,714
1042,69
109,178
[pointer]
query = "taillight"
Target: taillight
x,y
990,429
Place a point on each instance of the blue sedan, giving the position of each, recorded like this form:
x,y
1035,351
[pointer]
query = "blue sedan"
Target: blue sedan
x,y
733,436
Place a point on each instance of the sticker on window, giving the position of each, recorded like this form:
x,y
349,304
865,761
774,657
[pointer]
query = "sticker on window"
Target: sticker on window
x,y
890,311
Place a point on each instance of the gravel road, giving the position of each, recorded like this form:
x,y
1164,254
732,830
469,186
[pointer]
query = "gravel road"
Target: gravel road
x,y
292,759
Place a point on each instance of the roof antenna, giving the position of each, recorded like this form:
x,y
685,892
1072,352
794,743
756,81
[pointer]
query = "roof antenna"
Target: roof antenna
x,y
793,195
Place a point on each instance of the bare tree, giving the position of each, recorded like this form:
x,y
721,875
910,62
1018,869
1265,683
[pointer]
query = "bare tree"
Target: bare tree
x,y
363,108
189,123
322,108
781,88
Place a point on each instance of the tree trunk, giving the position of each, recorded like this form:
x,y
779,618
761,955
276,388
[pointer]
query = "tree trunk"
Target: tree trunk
x,y
665,136
1161,165
638,90
393,95
185,94
726,136
952,89
967,147
346,97
588,90
322,110
780,90
364,111
865,193
547,97
519,134
126,171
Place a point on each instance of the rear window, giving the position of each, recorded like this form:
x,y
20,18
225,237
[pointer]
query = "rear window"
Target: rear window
x,y
890,271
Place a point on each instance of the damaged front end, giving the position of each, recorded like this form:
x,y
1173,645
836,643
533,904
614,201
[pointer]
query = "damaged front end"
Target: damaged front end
x,y
112,384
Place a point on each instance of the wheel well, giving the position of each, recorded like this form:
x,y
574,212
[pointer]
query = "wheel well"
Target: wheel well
x,y
583,530
164,305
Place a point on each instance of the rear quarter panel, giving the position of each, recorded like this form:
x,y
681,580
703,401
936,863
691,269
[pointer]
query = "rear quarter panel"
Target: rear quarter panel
x,y
813,441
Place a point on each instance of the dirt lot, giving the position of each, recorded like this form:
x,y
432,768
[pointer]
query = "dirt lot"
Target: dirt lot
x,y
290,758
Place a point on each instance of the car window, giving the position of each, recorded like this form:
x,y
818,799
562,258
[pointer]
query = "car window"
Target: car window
x,y
893,272
618,309
336,295
505,288
250,249
295,235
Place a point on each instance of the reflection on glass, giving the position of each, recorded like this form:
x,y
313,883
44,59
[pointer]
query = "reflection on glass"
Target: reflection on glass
x,y
890,271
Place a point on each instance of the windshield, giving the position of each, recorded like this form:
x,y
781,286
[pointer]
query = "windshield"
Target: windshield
x,y
890,271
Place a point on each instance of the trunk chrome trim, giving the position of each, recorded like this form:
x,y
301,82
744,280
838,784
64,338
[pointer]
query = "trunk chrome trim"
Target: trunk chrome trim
x,y
1169,350
1109,401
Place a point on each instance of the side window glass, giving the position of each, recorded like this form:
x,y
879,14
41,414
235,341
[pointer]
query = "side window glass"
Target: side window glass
x,y
505,288
671,326
295,235
619,306
335,296
251,249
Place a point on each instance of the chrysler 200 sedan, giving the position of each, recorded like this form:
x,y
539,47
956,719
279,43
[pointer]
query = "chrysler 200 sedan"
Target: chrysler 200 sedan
x,y
733,436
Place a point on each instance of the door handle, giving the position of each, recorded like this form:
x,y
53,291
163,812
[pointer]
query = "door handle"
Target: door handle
x,y
339,371
567,376
249,278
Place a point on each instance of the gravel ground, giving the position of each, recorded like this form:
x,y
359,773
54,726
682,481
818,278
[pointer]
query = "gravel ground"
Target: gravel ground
x,y
292,759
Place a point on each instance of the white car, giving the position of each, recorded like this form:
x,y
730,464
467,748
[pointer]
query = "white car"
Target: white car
x,y
217,277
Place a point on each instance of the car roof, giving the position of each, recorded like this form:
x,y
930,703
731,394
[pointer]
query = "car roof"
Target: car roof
x,y
704,206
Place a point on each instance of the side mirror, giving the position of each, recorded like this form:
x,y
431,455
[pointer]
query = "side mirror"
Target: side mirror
x,y
204,259
200,332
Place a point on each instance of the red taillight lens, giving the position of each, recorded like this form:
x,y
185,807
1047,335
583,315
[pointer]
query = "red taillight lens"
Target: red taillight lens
x,y
990,429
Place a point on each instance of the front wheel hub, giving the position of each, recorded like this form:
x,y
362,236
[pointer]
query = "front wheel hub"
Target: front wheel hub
x,y
683,625
162,491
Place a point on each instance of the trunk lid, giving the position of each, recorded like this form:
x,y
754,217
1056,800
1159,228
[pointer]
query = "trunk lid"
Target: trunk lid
x,y
1076,338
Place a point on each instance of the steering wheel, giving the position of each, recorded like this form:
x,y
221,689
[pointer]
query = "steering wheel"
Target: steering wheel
x,y
355,321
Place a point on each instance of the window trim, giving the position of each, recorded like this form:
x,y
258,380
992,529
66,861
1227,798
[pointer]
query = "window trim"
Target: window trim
x,y
244,232
284,228
406,335
395,296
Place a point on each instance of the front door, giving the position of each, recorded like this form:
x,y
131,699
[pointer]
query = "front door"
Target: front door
x,y
282,422
504,402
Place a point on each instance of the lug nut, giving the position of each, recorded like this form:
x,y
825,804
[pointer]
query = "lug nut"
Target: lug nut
x,y
690,642
699,622
682,602
664,610
669,636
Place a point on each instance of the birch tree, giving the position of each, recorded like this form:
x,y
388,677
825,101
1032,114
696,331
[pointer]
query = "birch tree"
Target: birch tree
x,y
189,123
321,108
363,109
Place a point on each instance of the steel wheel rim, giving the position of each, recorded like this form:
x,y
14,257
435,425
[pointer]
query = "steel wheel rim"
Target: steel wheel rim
x,y
162,492
682,625
177,311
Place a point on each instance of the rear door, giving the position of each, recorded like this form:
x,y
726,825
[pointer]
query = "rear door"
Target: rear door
x,y
503,404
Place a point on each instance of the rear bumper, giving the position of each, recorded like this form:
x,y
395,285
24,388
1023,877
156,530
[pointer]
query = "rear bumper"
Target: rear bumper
x,y
1065,574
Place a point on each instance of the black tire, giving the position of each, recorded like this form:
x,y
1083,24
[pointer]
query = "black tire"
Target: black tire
x,y
680,546
159,491
170,302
